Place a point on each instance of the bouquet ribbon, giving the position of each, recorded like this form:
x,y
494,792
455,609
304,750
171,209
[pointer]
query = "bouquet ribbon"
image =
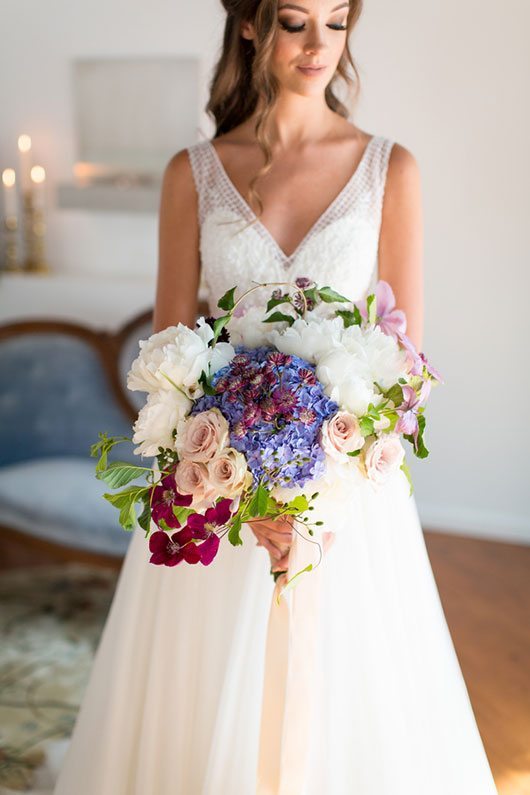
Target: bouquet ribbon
x,y
289,680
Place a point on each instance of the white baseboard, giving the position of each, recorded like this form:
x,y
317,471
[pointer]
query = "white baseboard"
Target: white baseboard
x,y
478,524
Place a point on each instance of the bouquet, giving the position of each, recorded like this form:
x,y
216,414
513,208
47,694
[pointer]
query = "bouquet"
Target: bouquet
x,y
253,413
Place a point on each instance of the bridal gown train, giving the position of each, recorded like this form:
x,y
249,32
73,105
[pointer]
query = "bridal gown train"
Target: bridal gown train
x,y
371,700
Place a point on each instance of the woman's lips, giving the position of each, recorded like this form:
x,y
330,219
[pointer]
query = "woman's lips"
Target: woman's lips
x,y
311,70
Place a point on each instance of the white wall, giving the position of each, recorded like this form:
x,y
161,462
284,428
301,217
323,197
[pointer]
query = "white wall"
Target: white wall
x,y
446,80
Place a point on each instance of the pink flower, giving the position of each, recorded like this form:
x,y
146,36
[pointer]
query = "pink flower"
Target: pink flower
x,y
341,434
391,320
382,457
192,478
201,436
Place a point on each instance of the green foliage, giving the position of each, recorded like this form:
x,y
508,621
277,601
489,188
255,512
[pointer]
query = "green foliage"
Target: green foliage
x,y
227,300
218,326
279,317
181,512
235,530
404,466
371,306
329,296
119,473
272,302
350,318
125,502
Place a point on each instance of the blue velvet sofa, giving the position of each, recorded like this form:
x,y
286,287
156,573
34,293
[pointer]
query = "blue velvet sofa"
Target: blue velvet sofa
x,y
60,384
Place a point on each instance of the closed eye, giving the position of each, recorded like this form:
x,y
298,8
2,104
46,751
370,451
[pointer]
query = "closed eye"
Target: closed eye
x,y
298,28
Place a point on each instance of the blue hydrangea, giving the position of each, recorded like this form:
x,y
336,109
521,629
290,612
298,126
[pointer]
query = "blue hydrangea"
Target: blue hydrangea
x,y
279,451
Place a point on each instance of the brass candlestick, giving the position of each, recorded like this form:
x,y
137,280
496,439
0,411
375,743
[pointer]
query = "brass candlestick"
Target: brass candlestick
x,y
34,231
11,262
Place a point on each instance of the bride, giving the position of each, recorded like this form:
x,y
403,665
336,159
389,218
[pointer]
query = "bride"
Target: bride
x,y
202,684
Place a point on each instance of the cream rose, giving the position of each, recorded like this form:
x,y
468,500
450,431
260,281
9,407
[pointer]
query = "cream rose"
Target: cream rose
x,y
383,456
191,477
341,434
228,472
202,436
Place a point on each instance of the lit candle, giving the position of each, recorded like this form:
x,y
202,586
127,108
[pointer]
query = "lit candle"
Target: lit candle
x,y
38,177
24,153
10,193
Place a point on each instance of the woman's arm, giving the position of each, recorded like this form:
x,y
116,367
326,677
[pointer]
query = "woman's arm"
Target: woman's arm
x,y
178,247
177,294
401,239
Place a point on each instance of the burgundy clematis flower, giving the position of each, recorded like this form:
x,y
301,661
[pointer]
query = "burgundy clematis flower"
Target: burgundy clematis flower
x,y
165,495
170,550
205,527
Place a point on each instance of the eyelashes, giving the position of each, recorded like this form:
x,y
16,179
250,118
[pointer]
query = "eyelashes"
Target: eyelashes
x,y
298,28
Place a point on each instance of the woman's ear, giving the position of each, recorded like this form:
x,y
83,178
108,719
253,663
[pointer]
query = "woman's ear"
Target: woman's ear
x,y
247,30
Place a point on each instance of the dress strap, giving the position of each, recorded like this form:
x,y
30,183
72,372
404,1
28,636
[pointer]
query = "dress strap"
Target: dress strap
x,y
203,169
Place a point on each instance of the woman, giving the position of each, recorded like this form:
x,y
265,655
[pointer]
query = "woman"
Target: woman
x,y
201,684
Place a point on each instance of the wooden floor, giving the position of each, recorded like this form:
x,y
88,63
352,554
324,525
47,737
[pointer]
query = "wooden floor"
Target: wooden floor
x,y
485,591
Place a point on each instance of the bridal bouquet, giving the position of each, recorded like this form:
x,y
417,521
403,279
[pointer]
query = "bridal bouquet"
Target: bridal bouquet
x,y
253,413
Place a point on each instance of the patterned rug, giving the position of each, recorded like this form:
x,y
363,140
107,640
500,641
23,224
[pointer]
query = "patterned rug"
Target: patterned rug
x,y
51,619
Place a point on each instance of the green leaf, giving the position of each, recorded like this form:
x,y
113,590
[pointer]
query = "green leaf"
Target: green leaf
x,y
395,394
235,529
329,296
350,318
371,306
207,387
181,512
279,317
297,505
354,453
227,300
366,425
289,583
218,326
259,502
144,520
125,501
420,451
275,301
119,473
406,470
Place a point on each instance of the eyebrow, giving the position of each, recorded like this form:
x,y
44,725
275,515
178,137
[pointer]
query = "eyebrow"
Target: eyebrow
x,y
306,10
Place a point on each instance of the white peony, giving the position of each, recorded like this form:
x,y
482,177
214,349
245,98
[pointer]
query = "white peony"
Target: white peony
x,y
248,329
346,378
176,357
157,420
386,361
310,339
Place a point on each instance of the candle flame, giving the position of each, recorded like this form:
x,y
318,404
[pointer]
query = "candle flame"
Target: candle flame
x,y
24,143
38,174
8,177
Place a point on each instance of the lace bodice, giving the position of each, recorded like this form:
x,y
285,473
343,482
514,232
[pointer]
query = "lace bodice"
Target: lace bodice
x,y
340,249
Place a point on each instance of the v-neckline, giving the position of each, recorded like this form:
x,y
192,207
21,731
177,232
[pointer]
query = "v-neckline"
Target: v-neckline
x,y
288,259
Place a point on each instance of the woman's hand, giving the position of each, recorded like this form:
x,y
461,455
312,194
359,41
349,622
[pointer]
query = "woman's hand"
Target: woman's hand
x,y
276,536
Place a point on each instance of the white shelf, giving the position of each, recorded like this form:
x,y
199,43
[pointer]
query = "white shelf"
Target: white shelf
x,y
136,198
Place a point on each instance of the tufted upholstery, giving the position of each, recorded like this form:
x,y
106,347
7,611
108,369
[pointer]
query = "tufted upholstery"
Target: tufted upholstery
x,y
60,384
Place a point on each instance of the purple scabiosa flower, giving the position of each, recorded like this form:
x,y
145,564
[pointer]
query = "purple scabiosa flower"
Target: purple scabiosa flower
x,y
165,495
171,550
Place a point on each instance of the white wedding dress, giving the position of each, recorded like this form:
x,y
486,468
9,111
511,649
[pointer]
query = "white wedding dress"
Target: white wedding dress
x,y
365,695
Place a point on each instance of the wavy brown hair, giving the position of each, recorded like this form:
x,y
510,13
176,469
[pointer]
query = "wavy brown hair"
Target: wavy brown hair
x,y
242,76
